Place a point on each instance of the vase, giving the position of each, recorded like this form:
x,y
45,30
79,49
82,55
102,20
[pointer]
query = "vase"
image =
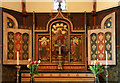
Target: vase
x,y
96,79
32,80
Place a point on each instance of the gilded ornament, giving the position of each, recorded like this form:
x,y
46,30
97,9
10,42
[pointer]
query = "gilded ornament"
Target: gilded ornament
x,y
108,24
10,24
93,37
108,47
25,56
100,46
25,47
98,41
102,41
25,38
18,46
75,40
101,56
10,55
57,25
91,52
109,56
105,41
10,36
98,52
91,42
110,52
61,24
10,46
94,47
94,56
18,37
44,40
107,36
100,37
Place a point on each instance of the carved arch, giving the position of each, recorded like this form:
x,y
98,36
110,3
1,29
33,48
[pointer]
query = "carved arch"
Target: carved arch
x,y
5,16
112,16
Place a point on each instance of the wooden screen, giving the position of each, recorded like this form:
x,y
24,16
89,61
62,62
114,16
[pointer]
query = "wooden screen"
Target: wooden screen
x,y
59,30
102,40
15,40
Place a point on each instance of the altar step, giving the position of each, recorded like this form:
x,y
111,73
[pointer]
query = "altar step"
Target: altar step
x,y
59,77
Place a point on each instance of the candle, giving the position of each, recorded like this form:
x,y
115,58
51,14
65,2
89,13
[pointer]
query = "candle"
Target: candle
x,y
106,58
17,58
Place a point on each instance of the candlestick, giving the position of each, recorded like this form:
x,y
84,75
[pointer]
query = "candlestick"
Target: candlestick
x,y
17,58
106,58
106,68
18,74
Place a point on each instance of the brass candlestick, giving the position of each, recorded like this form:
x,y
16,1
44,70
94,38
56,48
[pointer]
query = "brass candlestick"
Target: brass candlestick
x,y
18,73
59,65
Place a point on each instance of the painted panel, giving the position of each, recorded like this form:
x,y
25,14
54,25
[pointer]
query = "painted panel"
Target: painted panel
x,y
59,34
10,23
108,23
18,45
25,46
93,42
43,48
101,46
76,49
108,44
10,46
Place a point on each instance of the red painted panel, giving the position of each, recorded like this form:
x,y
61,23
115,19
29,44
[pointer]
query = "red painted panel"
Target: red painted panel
x,y
18,45
101,46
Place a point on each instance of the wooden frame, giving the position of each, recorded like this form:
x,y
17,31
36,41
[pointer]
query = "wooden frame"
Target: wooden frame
x,y
96,31
5,44
61,18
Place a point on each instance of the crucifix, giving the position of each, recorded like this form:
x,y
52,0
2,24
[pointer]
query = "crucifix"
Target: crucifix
x,y
59,45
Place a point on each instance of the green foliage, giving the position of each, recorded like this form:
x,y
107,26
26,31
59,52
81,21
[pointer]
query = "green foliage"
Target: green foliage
x,y
96,68
33,66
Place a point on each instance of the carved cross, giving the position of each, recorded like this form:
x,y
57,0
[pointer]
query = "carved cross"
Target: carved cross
x,y
59,45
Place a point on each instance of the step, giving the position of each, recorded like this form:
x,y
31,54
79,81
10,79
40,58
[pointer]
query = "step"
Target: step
x,y
59,77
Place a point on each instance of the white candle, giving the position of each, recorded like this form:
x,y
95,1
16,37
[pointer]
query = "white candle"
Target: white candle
x,y
17,58
106,58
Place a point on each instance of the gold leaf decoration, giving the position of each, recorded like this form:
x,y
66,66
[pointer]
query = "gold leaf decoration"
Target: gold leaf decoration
x,y
93,37
101,46
108,46
94,47
100,37
107,36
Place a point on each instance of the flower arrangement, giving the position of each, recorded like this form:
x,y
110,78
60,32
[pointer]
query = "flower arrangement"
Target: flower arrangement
x,y
33,66
96,68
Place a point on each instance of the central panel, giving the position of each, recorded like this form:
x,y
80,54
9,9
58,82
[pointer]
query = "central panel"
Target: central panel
x,y
60,42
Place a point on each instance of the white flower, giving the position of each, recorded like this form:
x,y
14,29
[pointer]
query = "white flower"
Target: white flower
x,y
29,60
101,64
39,61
